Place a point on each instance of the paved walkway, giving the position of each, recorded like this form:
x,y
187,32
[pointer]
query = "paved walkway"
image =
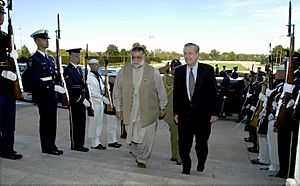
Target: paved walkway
x,y
228,161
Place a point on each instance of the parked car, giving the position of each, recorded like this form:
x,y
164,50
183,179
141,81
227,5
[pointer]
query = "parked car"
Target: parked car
x,y
112,71
22,67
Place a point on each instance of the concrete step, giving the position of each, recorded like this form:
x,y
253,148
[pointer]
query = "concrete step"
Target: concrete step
x,y
117,166
228,160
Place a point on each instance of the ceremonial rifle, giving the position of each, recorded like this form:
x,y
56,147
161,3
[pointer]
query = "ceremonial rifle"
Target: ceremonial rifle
x,y
281,115
255,119
65,101
90,109
108,107
263,124
12,56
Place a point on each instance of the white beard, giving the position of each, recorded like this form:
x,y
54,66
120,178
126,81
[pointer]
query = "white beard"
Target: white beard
x,y
138,65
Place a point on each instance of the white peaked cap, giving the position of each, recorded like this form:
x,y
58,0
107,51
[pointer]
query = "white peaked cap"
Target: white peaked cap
x,y
93,61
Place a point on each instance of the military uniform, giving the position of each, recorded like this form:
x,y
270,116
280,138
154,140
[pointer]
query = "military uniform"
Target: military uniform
x,y
234,73
77,93
43,76
7,101
225,95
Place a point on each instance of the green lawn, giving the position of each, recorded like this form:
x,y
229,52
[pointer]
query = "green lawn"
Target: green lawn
x,y
229,66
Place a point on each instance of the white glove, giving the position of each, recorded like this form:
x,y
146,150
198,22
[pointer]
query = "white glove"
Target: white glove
x,y
86,103
288,88
274,104
262,114
261,97
9,75
14,54
59,89
249,95
248,106
106,101
271,117
253,108
268,92
290,103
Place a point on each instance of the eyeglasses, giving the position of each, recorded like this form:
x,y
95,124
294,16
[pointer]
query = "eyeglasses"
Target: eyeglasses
x,y
137,57
76,54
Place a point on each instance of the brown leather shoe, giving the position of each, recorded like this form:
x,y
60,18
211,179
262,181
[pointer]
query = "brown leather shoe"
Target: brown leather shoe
x,y
141,165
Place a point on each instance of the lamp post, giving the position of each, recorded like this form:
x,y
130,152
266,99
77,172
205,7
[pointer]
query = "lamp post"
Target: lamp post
x,y
20,36
152,37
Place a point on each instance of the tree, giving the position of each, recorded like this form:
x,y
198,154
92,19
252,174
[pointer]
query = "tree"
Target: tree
x,y
23,54
214,54
124,52
112,50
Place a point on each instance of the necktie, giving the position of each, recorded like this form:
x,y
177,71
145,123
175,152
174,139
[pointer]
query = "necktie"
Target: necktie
x,y
79,71
191,83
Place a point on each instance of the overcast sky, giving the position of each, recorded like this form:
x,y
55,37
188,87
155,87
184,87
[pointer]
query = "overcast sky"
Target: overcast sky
x,y
241,26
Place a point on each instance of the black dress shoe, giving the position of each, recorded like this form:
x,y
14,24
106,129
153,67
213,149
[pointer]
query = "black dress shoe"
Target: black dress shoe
x,y
186,172
13,156
99,147
178,163
264,168
252,149
141,165
257,162
173,159
53,152
200,168
82,149
114,145
59,151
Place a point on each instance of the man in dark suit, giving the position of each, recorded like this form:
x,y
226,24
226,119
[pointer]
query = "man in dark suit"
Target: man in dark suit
x,y
195,106
7,99
75,83
44,88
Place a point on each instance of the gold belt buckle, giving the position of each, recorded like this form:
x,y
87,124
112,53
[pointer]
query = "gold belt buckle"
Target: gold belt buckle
x,y
3,64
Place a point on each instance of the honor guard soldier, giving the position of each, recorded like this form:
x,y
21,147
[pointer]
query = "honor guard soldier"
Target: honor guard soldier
x,y
223,72
234,73
7,99
75,84
44,90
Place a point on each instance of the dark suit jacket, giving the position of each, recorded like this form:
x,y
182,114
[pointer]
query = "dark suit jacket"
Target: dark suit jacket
x,y
75,83
42,68
204,103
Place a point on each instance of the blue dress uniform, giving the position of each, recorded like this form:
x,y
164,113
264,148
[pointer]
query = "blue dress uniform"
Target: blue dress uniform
x,y
7,102
43,77
77,94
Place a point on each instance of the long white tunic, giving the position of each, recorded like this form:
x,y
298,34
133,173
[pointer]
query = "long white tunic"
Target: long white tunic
x,y
140,138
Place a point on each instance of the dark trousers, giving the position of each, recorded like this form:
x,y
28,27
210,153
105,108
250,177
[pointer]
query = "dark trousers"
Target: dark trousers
x,y
7,124
77,125
47,105
293,149
284,138
187,129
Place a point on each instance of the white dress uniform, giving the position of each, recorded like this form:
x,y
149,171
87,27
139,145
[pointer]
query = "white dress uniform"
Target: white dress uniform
x,y
95,123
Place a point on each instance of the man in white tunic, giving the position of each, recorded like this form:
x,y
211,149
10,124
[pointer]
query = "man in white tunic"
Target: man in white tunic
x,y
96,87
140,99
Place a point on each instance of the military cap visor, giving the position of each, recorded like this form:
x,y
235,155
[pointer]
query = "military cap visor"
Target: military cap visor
x,y
42,33
2,11
74,50
2,4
